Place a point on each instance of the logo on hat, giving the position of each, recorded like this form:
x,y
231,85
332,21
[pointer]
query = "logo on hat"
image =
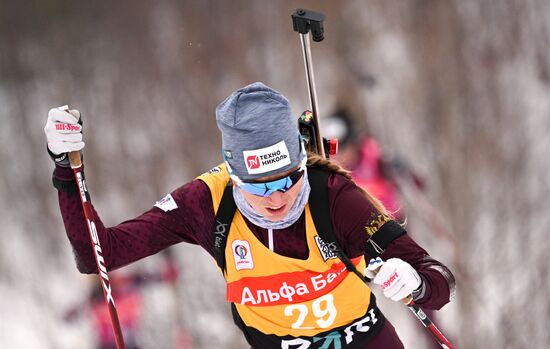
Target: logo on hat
x,y
266,159
252,162
228,154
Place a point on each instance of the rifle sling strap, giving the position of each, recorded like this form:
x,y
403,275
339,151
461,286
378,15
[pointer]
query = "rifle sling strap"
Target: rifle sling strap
x,y
222,224
320,212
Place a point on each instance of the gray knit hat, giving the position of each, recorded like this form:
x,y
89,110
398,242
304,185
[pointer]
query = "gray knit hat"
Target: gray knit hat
x,y
259,135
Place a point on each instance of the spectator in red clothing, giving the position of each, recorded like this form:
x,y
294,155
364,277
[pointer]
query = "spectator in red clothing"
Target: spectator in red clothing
x,y
360,153
265,215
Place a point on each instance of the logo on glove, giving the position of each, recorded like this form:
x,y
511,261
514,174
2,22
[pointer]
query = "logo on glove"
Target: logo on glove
x,y
67,127
390,280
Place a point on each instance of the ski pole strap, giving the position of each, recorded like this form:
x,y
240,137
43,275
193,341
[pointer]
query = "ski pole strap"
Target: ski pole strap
x,y
380,240
318,203
222,223
68,187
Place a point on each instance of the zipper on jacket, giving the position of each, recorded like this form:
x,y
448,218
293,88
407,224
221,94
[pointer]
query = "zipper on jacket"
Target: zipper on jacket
x,y
270,237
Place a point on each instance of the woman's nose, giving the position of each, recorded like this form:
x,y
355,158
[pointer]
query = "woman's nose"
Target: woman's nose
x,y
276,197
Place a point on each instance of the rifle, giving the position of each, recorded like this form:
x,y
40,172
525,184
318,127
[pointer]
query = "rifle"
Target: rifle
x,y
303,22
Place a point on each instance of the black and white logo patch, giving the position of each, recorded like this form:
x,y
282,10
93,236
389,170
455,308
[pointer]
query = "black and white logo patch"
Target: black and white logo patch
x,y
228,154
325,249
216,169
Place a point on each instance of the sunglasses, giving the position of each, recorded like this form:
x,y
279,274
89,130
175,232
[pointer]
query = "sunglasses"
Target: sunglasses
x,y
264,189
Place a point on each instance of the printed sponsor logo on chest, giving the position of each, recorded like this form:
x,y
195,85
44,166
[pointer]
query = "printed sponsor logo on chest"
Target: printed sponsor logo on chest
x,y
266,159
242,254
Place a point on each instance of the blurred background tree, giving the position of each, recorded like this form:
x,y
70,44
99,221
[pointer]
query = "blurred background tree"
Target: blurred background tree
x,y
458,88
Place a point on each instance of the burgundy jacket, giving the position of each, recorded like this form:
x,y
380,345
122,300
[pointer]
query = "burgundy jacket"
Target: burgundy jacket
x,y
193,220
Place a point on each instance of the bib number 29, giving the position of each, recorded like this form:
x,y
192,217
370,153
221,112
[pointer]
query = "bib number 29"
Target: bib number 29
x,y
322,308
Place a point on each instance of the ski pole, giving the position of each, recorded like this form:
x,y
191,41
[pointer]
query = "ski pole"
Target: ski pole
x,y
76,164
376,264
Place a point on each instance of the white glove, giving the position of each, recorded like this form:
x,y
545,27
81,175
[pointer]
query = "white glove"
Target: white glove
x,y
397,278
64,133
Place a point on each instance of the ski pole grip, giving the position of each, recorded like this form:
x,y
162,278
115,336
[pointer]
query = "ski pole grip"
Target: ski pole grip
x,y
417,311
74,159
74,156
407,300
